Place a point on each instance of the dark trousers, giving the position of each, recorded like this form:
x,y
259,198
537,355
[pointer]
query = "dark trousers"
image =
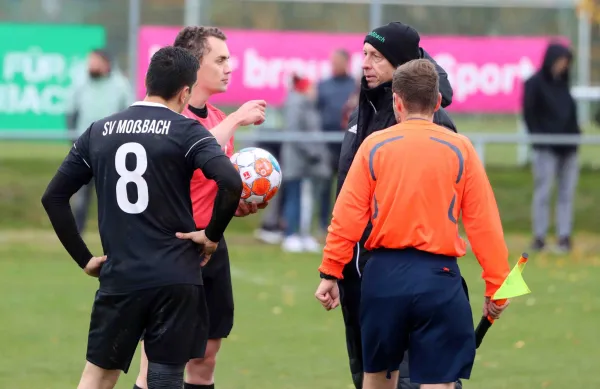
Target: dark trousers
x,y
325,195
291,206
273,217
350,298
81,205
325,207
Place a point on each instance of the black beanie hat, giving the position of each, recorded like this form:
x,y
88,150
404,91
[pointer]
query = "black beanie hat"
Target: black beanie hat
x,y
397,42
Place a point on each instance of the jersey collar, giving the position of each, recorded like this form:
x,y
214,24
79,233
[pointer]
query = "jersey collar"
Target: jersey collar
x,y
151,104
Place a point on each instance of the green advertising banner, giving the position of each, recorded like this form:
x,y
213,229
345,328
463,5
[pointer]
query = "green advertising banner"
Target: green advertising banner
x,y
38,66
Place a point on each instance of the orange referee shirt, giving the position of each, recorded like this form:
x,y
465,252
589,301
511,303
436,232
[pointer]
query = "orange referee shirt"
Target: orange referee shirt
x,y
412,181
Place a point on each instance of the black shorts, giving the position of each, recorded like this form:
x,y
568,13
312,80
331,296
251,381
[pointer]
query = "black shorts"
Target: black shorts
x,y
173,318
219,293
413,300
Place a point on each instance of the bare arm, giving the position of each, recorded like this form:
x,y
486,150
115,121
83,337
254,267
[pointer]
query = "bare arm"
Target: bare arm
x,y
252,112
225,130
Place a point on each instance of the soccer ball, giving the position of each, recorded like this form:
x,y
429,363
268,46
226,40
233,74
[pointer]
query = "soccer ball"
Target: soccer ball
x,y
260,173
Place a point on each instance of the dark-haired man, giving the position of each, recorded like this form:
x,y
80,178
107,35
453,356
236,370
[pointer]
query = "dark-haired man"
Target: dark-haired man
x,y
142,160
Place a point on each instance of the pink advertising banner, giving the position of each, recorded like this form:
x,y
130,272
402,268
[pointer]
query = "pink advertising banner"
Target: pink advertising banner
x,y
486,73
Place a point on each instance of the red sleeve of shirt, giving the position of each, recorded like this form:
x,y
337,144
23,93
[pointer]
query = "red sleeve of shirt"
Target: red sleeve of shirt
x,y
483,226
350,216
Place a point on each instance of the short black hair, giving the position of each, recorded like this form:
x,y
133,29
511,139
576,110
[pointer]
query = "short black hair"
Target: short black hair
x,y
170,70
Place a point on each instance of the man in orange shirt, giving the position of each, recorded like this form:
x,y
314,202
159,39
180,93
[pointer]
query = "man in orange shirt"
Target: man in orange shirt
x,y
412,181
209,45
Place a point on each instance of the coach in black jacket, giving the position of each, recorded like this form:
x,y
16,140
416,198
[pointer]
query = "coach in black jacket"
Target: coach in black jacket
x,y
385,49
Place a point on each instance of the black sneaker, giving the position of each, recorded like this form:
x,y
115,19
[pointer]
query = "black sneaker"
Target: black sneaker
x,y
538,244
564,244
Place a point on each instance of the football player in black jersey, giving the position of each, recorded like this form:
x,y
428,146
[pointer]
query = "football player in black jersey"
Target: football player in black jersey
x,y
142,160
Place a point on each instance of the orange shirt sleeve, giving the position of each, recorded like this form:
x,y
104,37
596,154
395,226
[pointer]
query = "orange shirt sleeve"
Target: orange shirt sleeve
x,y
350,215
482,224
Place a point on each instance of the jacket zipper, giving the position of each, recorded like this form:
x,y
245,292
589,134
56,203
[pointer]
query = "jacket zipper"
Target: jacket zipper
x,y
374,109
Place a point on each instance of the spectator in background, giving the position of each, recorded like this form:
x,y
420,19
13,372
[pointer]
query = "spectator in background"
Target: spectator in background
x,y
105,91
351,104
332,95
549,109
272,224
300,161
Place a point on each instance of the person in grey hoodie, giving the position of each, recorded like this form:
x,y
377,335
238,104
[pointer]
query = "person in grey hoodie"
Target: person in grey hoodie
x,y
301,160
104,92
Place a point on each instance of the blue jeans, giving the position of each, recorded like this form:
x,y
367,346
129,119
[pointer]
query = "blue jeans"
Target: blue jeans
x,y
291,206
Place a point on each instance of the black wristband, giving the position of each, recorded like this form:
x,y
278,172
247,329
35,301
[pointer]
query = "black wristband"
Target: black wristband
x,y
84,258
328,277
212,235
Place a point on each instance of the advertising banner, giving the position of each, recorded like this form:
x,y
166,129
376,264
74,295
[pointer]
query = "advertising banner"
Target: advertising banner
x,y
38,66
486,73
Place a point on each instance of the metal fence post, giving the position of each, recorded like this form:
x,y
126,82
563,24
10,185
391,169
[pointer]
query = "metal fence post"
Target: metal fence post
x,y
480,148
375,12
134,26
584,43
191,13
522,148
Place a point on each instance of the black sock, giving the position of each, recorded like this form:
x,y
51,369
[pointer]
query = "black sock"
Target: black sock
x,y
192,386
162,376
136,387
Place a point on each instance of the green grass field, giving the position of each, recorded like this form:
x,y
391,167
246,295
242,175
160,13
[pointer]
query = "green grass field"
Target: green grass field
x,y
282,338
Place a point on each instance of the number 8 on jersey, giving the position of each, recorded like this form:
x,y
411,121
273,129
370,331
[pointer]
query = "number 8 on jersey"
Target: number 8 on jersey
x,y
131,176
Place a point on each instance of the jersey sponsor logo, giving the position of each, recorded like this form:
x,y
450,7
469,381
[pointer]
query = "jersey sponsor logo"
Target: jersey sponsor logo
x,y
158,127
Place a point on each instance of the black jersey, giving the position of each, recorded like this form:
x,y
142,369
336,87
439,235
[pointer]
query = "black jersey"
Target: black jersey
x,y
142,160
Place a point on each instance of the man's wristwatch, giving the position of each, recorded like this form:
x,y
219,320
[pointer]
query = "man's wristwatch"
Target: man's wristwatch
x,y
328,277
